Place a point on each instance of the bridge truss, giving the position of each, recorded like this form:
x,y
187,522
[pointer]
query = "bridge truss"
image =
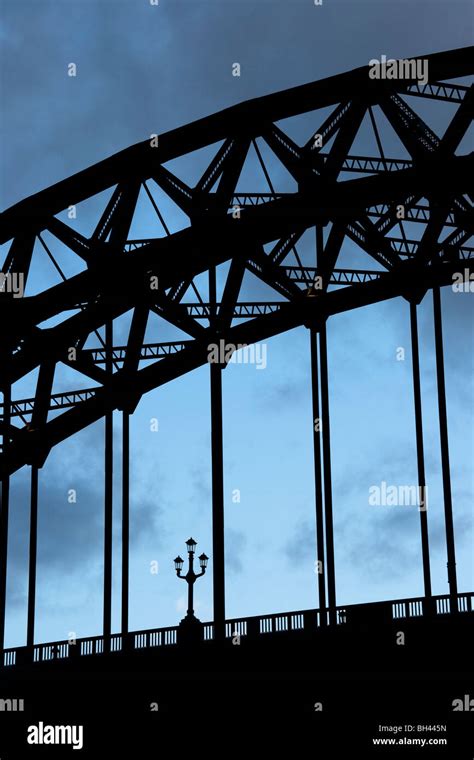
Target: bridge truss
x,y
364,200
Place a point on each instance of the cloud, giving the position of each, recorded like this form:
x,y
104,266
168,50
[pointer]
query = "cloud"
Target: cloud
x,y
201,486
236,542
385,550
70,534
301,546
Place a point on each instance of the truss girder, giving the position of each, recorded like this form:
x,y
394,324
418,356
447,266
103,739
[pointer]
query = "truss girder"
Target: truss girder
x,y
433,187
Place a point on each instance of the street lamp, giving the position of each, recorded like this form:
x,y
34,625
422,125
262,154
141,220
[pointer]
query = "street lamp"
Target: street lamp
x,y
191,544
190,577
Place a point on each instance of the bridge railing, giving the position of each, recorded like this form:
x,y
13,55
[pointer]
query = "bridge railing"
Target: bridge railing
x,y
372,613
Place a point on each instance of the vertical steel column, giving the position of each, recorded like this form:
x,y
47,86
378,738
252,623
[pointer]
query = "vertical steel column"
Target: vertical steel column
x,y
317,434
125,517
327,476
420,453
4,505
443,433
30,629
217,454
108,505
318,475
217,502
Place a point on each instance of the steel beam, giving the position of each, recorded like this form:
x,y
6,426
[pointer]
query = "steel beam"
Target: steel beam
x,y
217,459
425,548
140,158
318,476
331,576
443,433
108,502
125,518
4,514
217,502
30,629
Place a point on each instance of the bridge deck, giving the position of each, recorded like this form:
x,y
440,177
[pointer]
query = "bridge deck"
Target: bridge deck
x,y
370,617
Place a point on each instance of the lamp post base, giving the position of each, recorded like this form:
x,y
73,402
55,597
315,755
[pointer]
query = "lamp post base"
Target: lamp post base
x,y
190,630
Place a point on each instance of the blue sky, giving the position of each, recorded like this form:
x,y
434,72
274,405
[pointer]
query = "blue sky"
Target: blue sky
x,y
145,69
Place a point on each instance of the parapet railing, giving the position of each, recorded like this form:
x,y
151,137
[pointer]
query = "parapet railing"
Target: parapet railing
x,y
371,614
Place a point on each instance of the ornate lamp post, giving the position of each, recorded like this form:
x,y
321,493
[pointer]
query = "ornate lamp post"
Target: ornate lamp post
x,y
190,628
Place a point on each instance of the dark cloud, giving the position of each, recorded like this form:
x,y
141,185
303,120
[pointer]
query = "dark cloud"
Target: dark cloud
x,y
383,542
236,542
300,547
284,393
201,486
70,535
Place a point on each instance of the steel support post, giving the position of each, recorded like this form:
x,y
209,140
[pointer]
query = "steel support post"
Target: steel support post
x,y
4,507
420,452
125,518
108,501
327,476
443,433
217,454
30,629
318,477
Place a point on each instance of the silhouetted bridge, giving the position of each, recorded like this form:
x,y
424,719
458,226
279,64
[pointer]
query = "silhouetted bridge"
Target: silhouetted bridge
x,y
257,234
376,619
